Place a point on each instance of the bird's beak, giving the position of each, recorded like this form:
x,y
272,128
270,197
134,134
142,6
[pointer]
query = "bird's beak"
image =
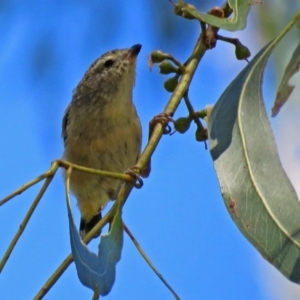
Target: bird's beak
x,y
134,51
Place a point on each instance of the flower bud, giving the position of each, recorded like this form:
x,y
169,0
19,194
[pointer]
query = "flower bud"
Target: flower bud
x,y
157,56
182,124
167,68
171,83
241,51
201,134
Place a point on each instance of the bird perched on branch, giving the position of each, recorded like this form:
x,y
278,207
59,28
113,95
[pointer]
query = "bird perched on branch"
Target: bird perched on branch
x,y
101,130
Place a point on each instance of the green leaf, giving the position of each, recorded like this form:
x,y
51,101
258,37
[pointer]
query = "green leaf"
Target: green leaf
x,y
256,191
285,89
97,271
237,22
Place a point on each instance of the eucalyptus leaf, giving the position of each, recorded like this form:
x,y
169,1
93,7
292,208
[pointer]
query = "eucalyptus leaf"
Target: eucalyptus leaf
x,y
97,272
237,22
256,190
285,89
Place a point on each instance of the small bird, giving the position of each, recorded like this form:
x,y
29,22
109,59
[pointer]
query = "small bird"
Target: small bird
x,y
101,130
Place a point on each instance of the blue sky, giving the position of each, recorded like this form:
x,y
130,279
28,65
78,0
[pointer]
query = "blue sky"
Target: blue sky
x,y
178,217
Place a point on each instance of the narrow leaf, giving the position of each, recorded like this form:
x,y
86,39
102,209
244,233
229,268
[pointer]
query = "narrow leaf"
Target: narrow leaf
x,y
285,89
97,272
237,22
256,191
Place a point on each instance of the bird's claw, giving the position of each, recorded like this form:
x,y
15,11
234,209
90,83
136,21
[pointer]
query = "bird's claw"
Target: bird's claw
x,y
134,173
164,119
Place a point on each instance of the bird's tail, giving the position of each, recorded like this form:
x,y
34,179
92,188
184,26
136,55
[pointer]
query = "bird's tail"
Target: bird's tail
x,y
85,226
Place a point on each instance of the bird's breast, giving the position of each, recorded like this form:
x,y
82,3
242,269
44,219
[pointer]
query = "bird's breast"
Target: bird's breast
x,y
109,140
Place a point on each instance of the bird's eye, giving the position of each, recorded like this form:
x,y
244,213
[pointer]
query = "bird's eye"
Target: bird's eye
x,y
108,63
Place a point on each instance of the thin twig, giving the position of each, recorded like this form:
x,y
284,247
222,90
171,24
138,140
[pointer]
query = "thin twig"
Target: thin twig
x,y
201,113
66,165
22,227
25,186
192,111
96,294
122,176
177,63
203,28
148,261
193,116
54,277
233,41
